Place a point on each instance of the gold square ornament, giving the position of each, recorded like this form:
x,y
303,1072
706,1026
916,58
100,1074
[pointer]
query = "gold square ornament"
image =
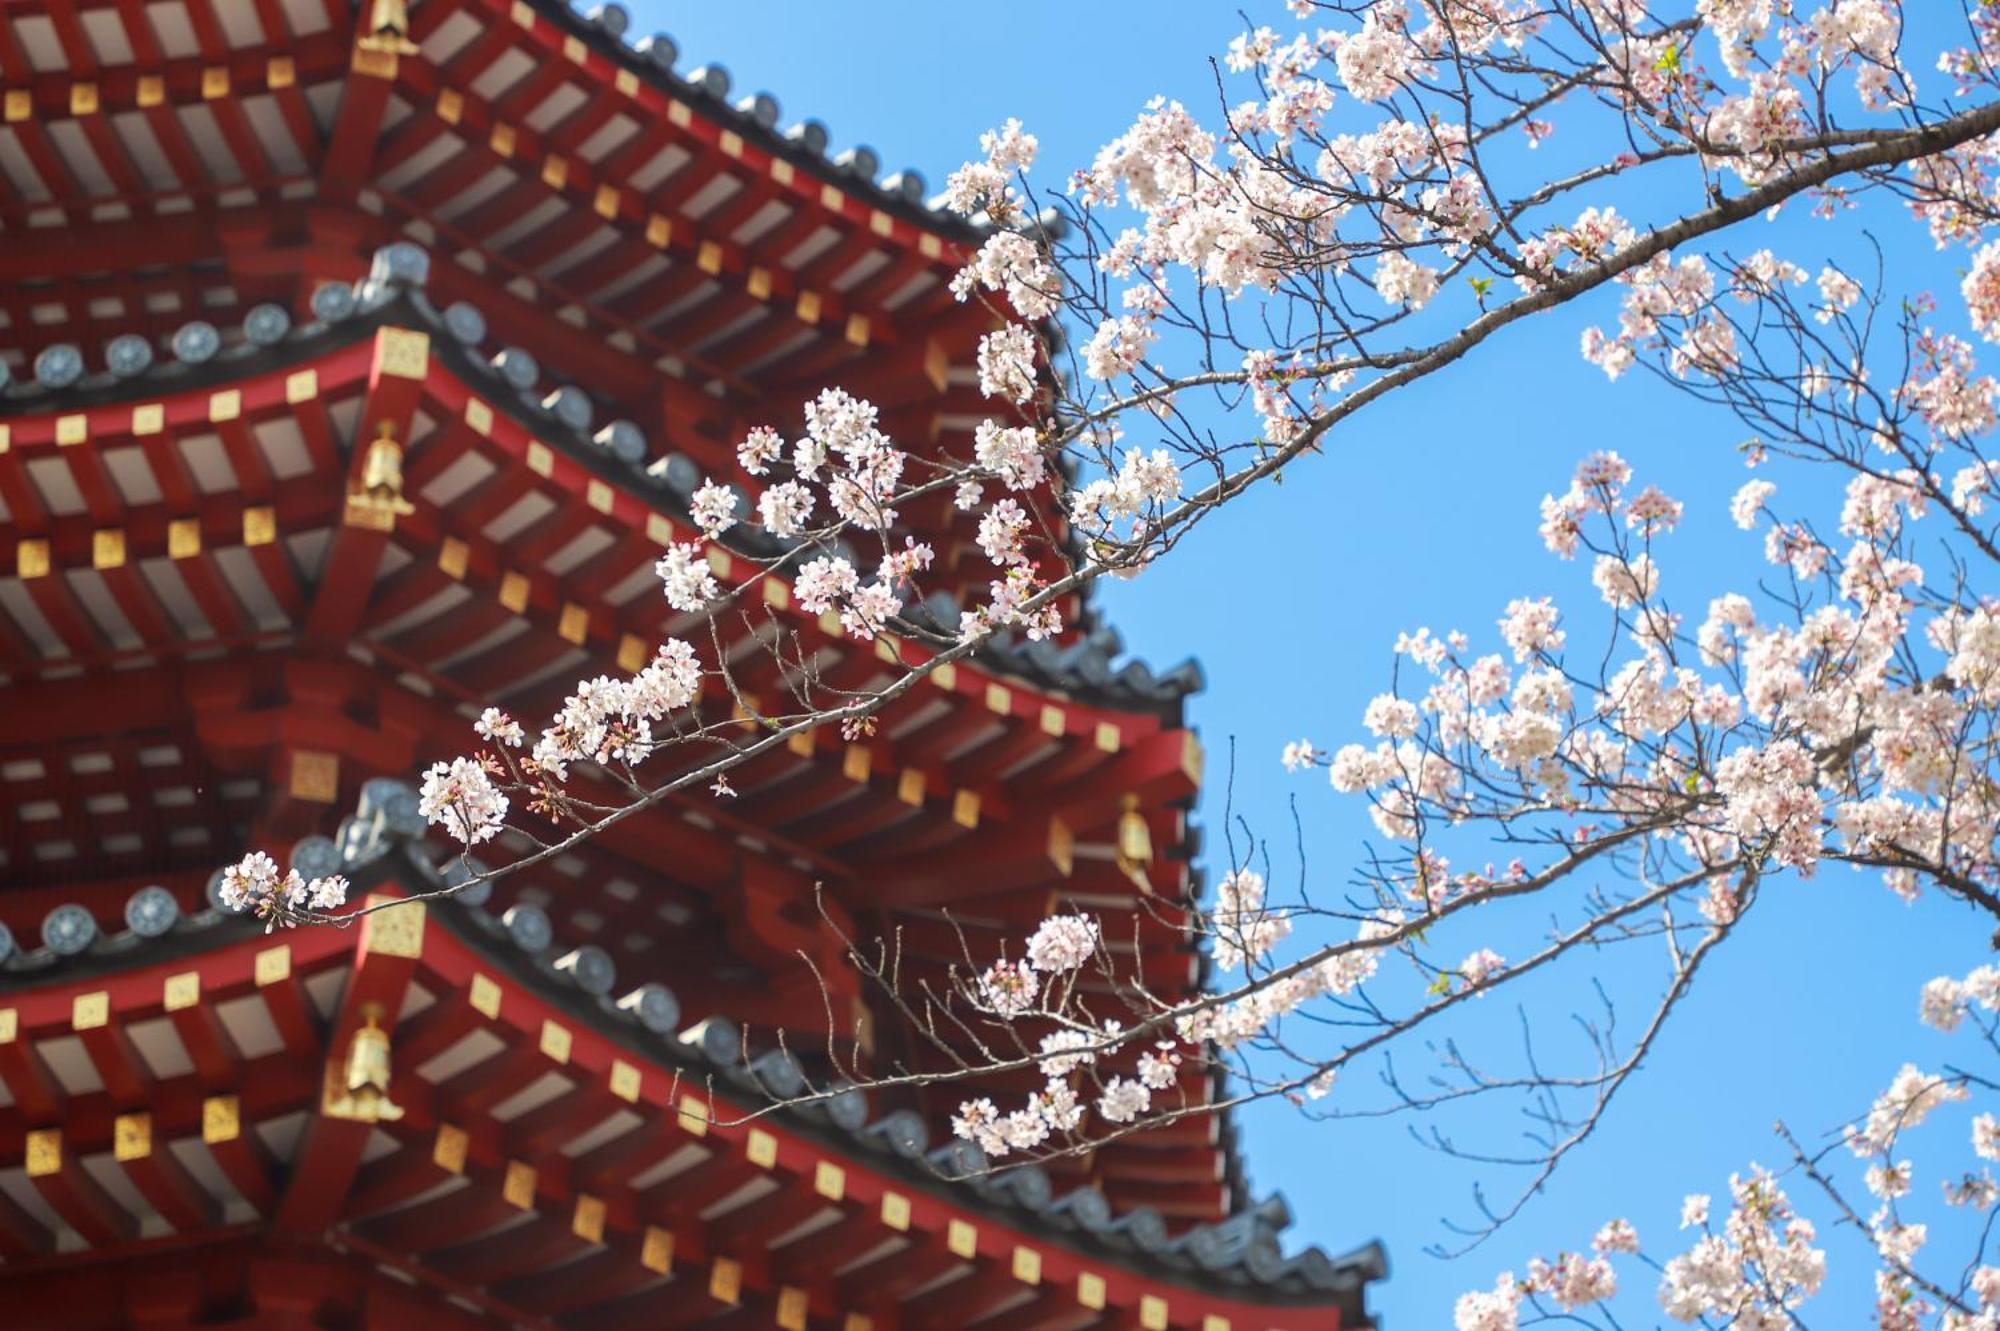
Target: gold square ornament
x,y
107,549
518,1188
403,352
272,965
260,525
588,1221
181,991
132,1136
725,1280
896,1211
397,931
31,558
44,1152
449,1151
315,776
221,1119
856,761
89,1012
556,1042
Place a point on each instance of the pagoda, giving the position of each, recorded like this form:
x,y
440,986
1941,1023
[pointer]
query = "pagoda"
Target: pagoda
x,y
356,364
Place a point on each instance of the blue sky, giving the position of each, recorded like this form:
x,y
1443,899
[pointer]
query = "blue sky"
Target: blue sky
x,y
1422,512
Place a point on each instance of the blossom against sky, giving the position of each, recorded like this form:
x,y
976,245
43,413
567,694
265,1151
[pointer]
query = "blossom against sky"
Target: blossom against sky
x,y
1423,512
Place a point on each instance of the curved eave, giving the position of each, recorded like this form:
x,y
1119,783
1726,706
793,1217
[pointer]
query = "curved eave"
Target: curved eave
x,y
474,976
33,416
720,113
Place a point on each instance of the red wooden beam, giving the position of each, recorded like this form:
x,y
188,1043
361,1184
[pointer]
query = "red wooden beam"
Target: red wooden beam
x,y
79,1199
324,1170
160,1177
351,145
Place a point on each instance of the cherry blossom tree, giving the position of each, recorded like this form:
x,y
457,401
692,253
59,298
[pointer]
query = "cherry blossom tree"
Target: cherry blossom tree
x,y
1384,187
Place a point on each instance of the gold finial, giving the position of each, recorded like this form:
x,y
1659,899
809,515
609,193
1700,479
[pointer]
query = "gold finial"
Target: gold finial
x,y
378,500
1135,845
388,29
362,1092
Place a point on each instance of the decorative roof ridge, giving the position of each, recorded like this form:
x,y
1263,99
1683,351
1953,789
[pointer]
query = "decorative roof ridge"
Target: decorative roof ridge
x,y
395,291
756,116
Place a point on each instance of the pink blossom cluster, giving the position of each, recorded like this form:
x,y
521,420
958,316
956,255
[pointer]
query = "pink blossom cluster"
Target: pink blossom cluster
x,y
254,884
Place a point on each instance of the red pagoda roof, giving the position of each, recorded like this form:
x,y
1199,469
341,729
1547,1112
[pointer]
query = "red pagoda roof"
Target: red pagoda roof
x,y
700,270
532,1062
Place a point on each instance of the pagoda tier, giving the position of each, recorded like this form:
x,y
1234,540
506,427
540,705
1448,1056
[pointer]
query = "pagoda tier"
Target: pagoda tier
x,y
618,225
562,1149
251,246
200,623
